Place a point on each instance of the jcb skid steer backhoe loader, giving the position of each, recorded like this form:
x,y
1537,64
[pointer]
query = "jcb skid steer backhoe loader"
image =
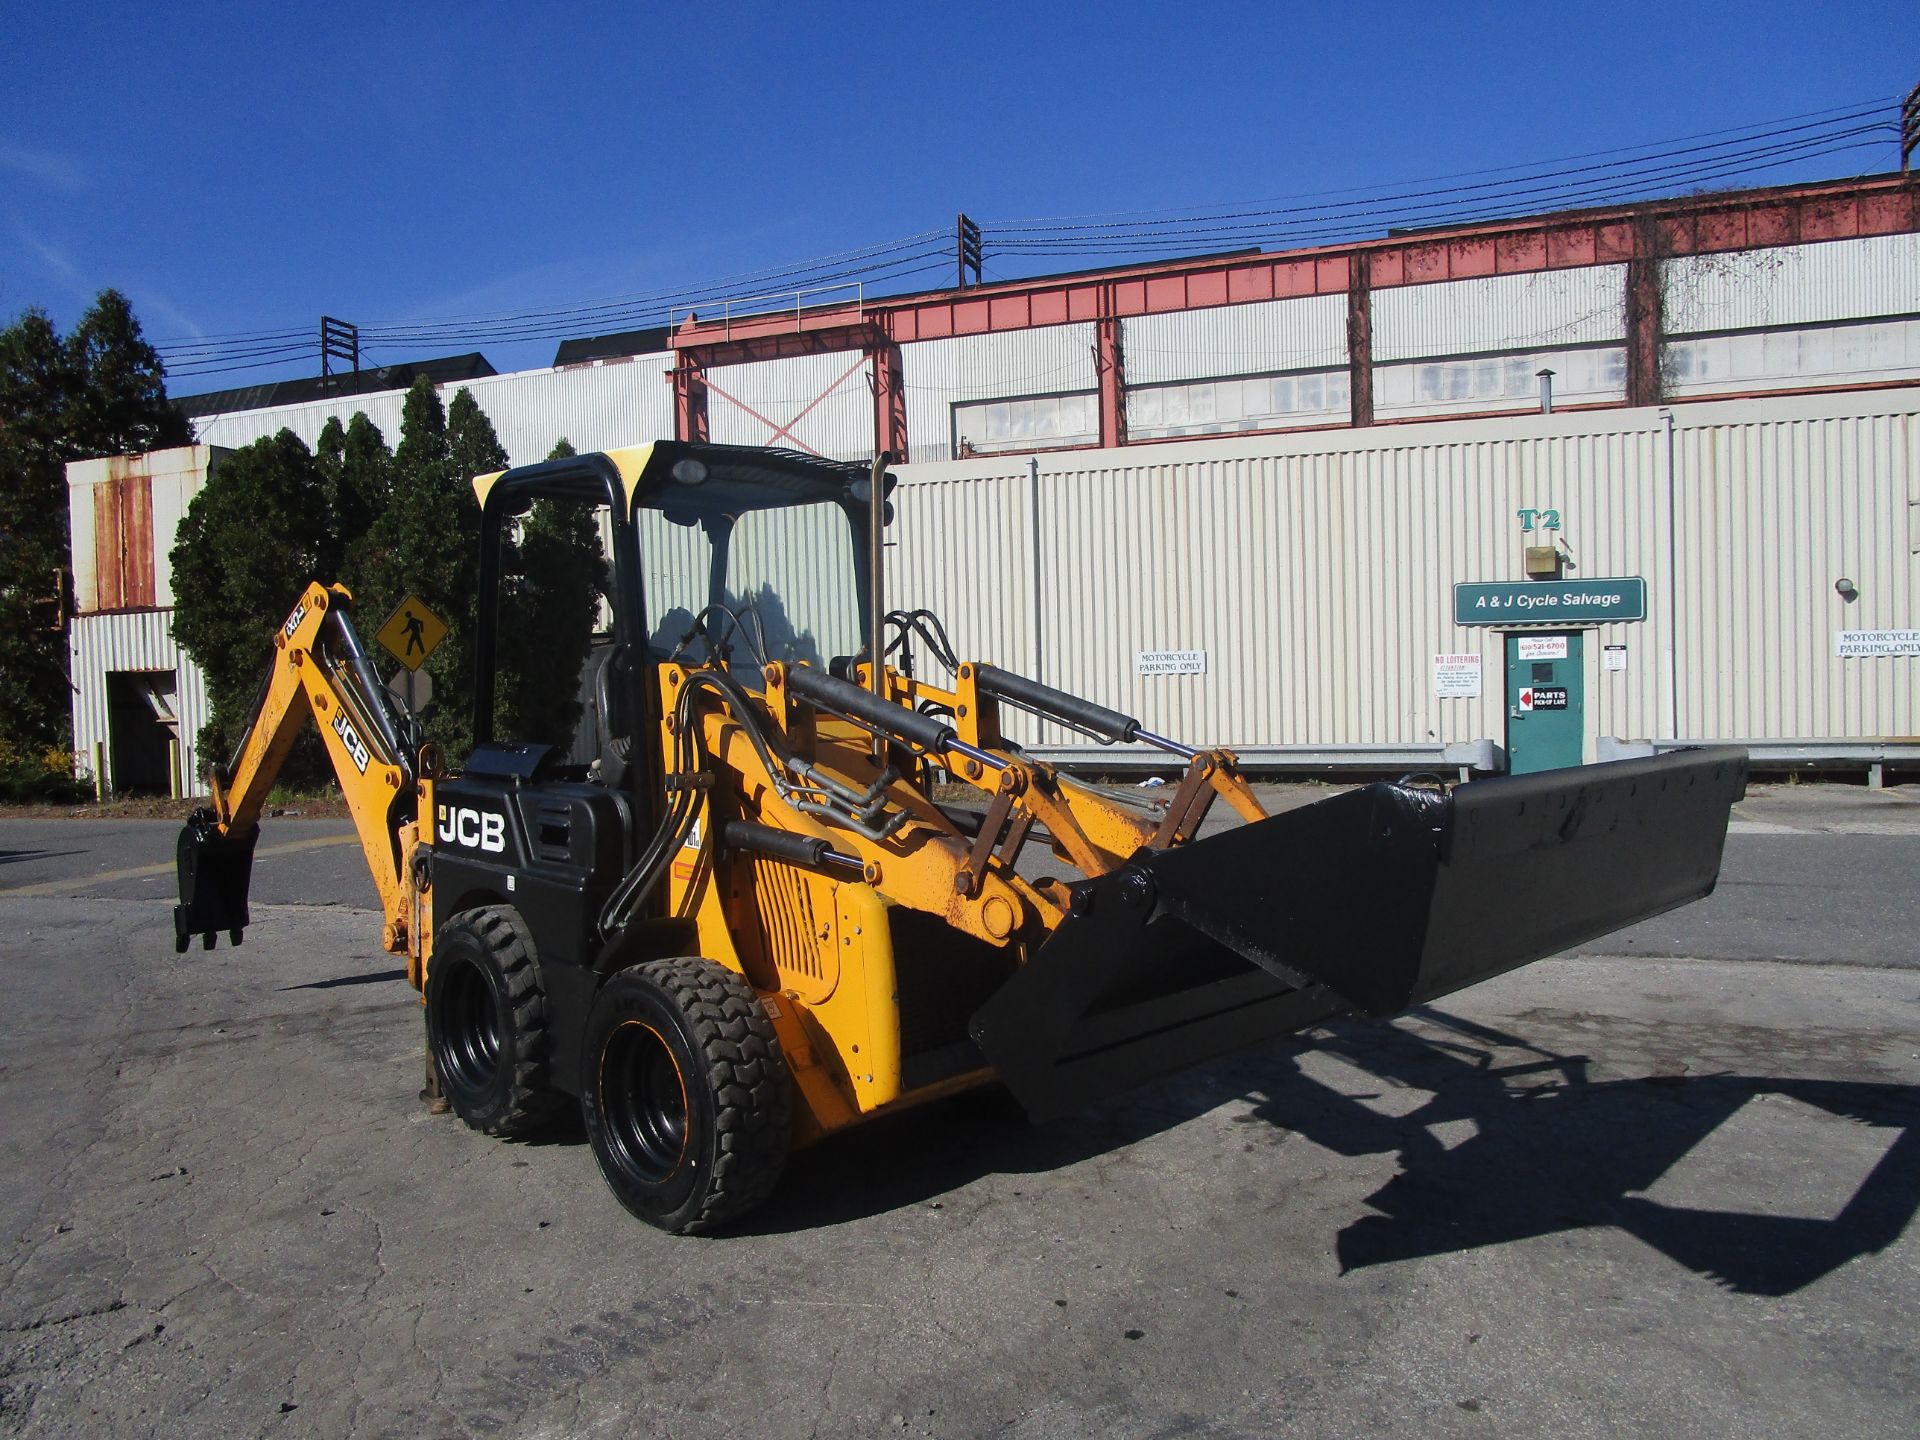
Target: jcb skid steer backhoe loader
x,y
732,915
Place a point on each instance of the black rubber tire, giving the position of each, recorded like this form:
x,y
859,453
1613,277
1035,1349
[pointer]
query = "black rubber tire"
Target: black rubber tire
x,y
685,1095
487,1023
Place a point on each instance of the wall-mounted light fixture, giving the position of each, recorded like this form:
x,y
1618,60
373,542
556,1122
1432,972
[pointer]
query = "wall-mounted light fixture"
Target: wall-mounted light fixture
x,y
1846,589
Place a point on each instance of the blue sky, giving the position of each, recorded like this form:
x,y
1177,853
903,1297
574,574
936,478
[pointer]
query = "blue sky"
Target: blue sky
x,y
243,167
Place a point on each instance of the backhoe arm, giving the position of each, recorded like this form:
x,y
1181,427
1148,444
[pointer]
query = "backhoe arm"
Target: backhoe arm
x,y
319,670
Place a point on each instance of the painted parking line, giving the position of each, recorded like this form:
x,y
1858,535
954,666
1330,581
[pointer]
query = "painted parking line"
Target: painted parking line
x,y
137,872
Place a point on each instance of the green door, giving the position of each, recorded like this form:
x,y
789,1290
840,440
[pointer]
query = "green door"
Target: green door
x,y
1545,701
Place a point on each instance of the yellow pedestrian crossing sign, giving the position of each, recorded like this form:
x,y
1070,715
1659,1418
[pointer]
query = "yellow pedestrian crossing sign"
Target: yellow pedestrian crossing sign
x,y
411,632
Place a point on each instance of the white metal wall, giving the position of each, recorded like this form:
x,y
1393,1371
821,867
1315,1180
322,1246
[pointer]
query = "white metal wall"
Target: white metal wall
x,y
1541,310
1302,334
596,407
822,403
1316,570
1052,360
135,640
1775,508
1792,284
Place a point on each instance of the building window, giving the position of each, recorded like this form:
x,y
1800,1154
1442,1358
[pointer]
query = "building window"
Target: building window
x,y
1235,403
1032,422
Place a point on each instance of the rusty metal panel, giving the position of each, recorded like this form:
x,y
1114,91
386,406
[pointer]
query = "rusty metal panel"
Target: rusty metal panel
x,y
124,512
1540,311
822,404
135,501
1785,285
1054,360
107,546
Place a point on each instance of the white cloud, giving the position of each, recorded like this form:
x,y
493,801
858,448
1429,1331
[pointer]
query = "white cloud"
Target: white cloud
x,y
54,170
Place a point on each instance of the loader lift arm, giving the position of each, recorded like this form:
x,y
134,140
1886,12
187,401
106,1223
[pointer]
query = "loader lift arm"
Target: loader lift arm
x,y
320,670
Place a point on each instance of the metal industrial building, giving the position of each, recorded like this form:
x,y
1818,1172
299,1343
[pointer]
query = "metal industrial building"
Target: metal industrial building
x,y
1236,494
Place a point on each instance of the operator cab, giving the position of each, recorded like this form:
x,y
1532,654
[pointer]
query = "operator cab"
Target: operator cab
x,y
698,552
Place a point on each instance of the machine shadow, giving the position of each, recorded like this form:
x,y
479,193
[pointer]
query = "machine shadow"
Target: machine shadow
x,y
372,977
11,857
1548,1150
1551,1150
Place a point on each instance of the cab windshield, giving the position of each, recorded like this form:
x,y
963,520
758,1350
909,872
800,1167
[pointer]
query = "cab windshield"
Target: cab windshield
x,y
784,571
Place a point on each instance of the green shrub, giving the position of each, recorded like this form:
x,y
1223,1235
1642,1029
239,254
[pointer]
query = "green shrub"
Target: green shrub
x,y
39,775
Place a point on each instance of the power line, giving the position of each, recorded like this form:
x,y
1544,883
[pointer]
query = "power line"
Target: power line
x,y
1591,178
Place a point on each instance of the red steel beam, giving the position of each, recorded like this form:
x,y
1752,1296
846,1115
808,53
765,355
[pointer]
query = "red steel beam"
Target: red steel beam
x,y
889,402
1110,369
1782,215
689,381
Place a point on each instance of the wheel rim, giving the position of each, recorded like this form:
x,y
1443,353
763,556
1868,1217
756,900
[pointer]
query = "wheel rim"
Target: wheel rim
x,y
643,1098
469,1030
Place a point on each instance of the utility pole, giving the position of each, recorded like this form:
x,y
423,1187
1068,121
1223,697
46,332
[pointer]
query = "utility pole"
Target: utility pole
x,y
966,244
338,341
1909,130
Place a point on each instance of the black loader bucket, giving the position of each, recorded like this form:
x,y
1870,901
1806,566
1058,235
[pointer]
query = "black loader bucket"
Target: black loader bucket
x,y
214,872
1370,902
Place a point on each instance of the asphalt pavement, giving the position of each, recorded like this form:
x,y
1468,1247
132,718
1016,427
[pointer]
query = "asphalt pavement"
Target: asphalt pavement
x,y
1665,1186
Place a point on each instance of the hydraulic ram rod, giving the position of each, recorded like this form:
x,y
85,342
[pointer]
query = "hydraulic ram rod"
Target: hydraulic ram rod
x,y
1097,720
829,692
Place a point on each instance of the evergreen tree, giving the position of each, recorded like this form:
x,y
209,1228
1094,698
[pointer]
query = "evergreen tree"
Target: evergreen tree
x,y
101,391
121,406
557,577
425,542
255,535
355,464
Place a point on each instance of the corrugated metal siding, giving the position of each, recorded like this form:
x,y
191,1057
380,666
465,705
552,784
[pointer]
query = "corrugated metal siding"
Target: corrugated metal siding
x,y
1317,570
243,427
1501,312
1302,334
596,407
822,403
1052,360
136,640
1773,511
1793,284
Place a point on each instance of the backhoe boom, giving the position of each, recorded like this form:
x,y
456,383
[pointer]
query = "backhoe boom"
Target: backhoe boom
x,y
319,671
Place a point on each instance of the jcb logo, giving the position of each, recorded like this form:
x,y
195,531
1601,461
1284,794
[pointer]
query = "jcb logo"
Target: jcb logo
x,y
293,620
475,829
349,737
